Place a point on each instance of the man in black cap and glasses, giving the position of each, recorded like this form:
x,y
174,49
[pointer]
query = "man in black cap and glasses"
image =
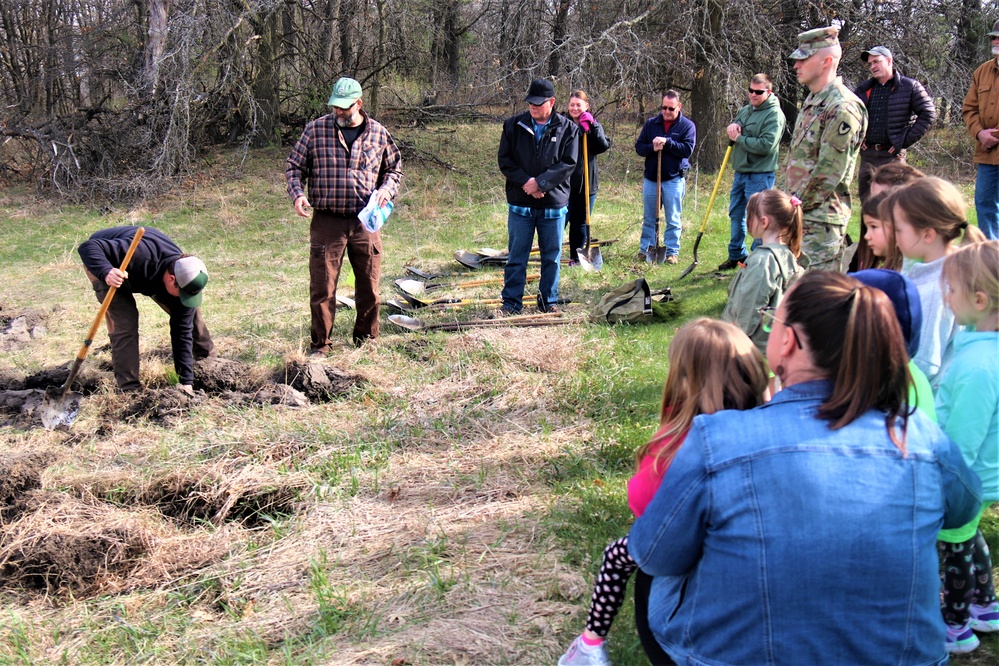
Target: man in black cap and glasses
x,y
537,155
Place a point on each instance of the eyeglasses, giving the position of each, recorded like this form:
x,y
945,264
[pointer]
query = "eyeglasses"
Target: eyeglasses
x,y
757,92
671,109
767,319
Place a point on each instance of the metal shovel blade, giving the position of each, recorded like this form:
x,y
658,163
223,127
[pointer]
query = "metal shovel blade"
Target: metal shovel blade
x,y
468,259
590,259
59,409
656,255
411,287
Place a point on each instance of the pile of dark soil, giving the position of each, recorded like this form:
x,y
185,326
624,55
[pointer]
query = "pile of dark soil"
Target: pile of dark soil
x,y
320,382
231,381
58,544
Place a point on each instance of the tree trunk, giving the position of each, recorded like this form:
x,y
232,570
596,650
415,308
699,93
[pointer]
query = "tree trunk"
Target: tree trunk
x,y
708,93
560,28
156,39
266,81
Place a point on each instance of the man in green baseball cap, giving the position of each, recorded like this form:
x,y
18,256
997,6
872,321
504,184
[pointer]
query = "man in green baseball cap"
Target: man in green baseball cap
x,y
824,148
345,159
346,91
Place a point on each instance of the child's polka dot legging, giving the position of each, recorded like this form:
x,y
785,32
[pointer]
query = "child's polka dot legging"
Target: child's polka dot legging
x,y
608,591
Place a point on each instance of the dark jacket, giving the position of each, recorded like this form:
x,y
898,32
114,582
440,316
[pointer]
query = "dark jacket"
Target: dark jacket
x,y
155,253
597,143
679,146
550,162
910,109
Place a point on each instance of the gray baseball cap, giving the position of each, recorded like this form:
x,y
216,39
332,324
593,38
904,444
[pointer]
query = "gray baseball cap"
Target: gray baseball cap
x,y
995,30
876,51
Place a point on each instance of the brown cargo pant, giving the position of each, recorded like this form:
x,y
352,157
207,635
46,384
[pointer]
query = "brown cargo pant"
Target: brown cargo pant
x,y
123,329
329,236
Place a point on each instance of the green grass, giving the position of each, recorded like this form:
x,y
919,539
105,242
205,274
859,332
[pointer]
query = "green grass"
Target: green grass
x,y
527,449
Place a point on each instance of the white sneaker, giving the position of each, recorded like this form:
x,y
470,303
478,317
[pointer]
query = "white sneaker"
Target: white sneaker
x,y
581,654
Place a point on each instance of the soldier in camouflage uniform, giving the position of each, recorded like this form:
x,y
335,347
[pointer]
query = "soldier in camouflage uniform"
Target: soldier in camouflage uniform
x,y
824,148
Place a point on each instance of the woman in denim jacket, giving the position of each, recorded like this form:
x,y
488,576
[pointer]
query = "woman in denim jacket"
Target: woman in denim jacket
x,y
804,531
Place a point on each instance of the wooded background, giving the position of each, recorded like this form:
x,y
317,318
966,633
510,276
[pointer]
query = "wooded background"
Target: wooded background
x,y
114,99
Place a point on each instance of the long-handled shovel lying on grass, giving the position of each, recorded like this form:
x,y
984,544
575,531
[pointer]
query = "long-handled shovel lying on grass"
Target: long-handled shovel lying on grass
x,y
415,287
711,201
589,254
548,319
61,406
489,257
411,303
423,275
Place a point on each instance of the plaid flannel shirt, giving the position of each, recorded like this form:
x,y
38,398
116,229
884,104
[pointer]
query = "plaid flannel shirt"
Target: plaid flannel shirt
x,y
341,181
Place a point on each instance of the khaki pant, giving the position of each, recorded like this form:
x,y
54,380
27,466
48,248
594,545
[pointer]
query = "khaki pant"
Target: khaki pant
x,y
330,236
123,329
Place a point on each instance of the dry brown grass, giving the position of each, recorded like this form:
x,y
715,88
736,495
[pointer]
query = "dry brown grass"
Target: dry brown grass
x,y
428,544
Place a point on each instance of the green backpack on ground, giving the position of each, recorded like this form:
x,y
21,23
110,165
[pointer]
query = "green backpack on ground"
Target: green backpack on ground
x,y
631,302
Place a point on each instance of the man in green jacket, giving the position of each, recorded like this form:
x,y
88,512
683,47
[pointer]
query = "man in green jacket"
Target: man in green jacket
x,y
754,133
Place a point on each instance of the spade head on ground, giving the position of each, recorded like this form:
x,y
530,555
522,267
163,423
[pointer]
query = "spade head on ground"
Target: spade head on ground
x,y
59,409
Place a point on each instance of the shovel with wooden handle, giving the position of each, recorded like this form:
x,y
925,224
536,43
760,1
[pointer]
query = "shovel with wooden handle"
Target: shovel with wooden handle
x,y
589,255
549,319
658,255
415,287
60,406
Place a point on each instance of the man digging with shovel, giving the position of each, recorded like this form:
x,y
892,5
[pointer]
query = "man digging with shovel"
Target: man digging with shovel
x,y
160,270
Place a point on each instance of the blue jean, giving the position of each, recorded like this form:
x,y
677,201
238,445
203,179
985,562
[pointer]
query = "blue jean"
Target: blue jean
x,y
521,230
744,185
987,200
672,194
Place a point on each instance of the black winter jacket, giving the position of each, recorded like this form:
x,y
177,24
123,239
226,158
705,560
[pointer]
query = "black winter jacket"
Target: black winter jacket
x,y
910,109
550,162
597,143
106,249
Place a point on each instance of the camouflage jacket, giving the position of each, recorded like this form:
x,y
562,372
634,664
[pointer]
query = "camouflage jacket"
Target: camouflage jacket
x,y
824,150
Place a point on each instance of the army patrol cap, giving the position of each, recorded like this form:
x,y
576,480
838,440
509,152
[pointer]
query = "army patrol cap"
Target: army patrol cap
x,y
811,41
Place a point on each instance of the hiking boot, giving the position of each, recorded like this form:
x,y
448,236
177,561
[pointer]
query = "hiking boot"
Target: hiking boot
x,y
673,259
581,654
731,264
641,256
547,307
985,619
961,639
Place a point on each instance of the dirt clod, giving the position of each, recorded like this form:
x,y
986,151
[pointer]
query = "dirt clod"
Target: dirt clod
x,y
215,375
321,382
164,405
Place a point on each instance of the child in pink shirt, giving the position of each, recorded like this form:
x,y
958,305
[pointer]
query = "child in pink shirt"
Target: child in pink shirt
x,y
712,366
